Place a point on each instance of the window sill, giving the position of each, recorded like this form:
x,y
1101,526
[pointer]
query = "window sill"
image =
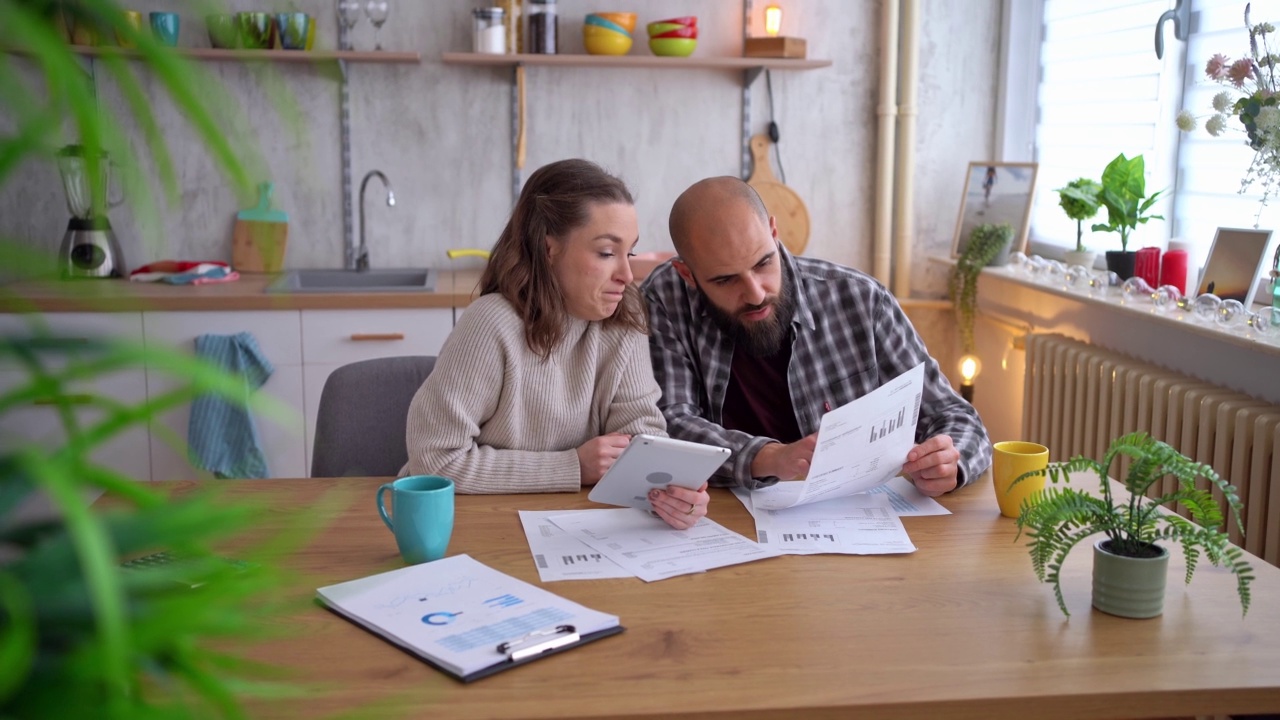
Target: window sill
x,y
1173,340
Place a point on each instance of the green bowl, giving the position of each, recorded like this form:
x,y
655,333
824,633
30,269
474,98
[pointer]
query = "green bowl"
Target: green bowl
x,y
673,47
657,28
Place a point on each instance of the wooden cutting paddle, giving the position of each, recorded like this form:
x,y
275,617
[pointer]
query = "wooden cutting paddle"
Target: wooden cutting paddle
x,y
260,235
781,201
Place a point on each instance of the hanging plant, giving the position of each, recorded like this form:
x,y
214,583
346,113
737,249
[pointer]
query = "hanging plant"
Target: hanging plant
x,y
985,242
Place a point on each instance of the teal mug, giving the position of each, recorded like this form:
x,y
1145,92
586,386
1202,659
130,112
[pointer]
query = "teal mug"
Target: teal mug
x,y
164,26
422,516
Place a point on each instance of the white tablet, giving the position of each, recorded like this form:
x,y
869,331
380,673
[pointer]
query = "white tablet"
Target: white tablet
x,y
656,462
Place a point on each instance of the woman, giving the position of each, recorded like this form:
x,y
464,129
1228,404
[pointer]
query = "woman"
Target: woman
x,y
547,375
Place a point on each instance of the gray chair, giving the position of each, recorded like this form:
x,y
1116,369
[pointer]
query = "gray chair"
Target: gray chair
x,y
364,408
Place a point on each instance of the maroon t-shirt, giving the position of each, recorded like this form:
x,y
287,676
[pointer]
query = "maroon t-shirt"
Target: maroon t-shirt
x,y
758,399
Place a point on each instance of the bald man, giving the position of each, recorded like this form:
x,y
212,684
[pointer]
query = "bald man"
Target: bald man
x,y
751,345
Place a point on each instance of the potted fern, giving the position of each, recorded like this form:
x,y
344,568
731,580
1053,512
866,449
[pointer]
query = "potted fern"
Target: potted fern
x,y
985,243
1079,200
1130,564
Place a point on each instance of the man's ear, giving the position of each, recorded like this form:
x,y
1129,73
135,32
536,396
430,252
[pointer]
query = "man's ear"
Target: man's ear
x,y
773,226
685,272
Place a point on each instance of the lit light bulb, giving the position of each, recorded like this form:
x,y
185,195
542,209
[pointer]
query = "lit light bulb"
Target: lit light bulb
x,y
772,20
970,367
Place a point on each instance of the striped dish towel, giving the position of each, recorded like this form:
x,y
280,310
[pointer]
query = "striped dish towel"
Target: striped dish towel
x,y
222,437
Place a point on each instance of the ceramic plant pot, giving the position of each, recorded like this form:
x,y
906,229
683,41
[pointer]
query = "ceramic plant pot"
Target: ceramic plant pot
x,y
1084,258
1121,262
1126,586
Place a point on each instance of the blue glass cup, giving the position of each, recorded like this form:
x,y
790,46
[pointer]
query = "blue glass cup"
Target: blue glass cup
x,y
164,26
421,517
293,29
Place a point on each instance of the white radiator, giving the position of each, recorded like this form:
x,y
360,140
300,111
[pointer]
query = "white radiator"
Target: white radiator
x,y
1079,397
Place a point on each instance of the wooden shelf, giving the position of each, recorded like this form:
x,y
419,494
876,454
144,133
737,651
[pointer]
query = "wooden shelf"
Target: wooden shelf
x,y
303,56
635,61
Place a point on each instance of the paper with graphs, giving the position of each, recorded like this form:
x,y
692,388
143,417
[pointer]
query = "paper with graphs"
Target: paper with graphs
x,y
861,445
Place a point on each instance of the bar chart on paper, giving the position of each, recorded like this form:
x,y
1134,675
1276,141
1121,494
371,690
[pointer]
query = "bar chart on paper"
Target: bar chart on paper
x,y
888,425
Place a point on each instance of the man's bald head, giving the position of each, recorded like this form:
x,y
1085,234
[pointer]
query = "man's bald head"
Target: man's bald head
x,y
706,201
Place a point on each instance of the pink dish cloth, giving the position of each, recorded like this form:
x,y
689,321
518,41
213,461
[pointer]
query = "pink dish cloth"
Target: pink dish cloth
x,y
185,272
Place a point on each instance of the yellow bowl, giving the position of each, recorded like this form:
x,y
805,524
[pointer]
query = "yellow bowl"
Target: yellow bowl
x,y
606,43
625,19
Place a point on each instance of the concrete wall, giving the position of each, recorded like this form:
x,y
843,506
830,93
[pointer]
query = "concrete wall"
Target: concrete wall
x,y
442,133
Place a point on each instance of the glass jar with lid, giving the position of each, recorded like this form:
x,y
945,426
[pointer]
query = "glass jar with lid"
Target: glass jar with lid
x,y
489,36
543,27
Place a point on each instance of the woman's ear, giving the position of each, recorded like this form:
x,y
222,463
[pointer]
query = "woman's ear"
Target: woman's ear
x,y
553,247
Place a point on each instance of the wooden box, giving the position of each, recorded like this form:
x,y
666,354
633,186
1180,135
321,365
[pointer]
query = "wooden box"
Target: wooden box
x,y
775,47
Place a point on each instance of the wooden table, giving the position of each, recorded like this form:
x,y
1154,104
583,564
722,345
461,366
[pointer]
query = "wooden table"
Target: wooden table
x,y
958,629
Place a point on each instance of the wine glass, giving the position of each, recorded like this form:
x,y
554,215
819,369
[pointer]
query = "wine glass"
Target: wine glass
x,y
377,10
349,15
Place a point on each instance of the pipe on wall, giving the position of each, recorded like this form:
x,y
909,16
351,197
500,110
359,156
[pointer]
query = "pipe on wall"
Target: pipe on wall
x,y
886,124
904,185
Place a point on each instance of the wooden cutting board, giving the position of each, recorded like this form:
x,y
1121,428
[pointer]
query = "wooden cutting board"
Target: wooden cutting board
x,y
781,201
259,239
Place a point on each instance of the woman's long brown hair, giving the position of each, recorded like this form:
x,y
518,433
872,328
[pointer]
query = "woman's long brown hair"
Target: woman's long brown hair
x,y
556,200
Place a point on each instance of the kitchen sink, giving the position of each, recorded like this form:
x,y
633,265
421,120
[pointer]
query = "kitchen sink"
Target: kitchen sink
x,y
354,281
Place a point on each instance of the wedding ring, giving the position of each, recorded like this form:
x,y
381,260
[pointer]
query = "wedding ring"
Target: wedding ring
x,y
691,507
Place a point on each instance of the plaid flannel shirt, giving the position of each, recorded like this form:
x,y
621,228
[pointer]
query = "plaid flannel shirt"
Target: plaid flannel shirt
x,y
849,336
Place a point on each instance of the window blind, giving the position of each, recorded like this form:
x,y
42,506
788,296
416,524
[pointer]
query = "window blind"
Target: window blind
x,y
1102,92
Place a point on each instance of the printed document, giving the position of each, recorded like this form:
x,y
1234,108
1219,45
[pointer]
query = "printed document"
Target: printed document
x,y
653,550
861,445
862,524
561,556
455,612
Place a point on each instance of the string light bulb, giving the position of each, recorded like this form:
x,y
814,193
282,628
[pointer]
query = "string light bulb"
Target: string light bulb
x,y
970,368
772,20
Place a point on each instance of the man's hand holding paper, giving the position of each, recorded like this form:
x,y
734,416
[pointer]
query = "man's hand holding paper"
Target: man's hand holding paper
x,y
862,445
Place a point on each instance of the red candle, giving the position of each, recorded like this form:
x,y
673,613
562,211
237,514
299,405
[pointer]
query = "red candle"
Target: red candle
x,y
1147,266
1173,270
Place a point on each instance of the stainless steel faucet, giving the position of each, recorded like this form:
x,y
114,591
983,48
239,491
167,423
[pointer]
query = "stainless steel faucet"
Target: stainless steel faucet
x,y
361,259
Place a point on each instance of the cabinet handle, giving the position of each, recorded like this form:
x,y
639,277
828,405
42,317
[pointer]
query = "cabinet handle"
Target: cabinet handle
x,y
360,337
72,399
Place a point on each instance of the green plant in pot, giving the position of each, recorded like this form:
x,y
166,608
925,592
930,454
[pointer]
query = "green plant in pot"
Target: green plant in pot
x,y
1079,200
985,242
81,636
1124,195
1130,564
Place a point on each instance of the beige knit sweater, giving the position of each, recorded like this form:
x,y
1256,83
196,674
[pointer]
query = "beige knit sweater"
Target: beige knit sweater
x,y
496,418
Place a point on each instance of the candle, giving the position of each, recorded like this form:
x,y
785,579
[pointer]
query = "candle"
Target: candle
x,y
1173,270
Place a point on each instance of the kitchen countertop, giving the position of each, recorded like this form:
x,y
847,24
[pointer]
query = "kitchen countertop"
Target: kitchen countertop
x,y
453,289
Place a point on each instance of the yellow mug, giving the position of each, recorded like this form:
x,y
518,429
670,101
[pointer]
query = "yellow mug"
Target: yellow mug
x,y
133,19
1011,460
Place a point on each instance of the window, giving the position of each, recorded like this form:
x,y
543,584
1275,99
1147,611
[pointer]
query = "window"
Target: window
x,y
1100,91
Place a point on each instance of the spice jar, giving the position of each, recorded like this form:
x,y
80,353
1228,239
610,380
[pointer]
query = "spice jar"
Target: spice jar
x,y
513,21
543,27
489,34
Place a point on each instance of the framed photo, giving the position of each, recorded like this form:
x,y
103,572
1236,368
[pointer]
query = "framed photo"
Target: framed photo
x,y
996,193
1237,258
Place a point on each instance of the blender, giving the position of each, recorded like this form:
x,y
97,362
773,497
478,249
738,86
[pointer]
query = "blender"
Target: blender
x,y
89,248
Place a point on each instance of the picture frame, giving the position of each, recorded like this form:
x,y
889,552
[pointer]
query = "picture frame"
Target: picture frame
x,y
1237,259
996,192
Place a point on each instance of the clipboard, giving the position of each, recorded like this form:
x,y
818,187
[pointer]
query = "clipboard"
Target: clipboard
x,y
464,618
531,651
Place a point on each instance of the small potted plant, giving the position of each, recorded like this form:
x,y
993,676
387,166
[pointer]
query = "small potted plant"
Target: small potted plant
x,y
1124,195
1130,565
985,243
1079,200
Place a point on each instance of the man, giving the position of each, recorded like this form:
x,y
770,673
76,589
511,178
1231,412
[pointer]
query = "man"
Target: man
x,y
752,345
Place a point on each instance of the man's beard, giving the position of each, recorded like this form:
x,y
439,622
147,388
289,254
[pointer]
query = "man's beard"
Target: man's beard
x,y
762,338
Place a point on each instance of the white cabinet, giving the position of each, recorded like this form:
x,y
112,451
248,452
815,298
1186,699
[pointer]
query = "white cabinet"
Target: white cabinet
x,y
304,347
280,434
333,338
38,422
